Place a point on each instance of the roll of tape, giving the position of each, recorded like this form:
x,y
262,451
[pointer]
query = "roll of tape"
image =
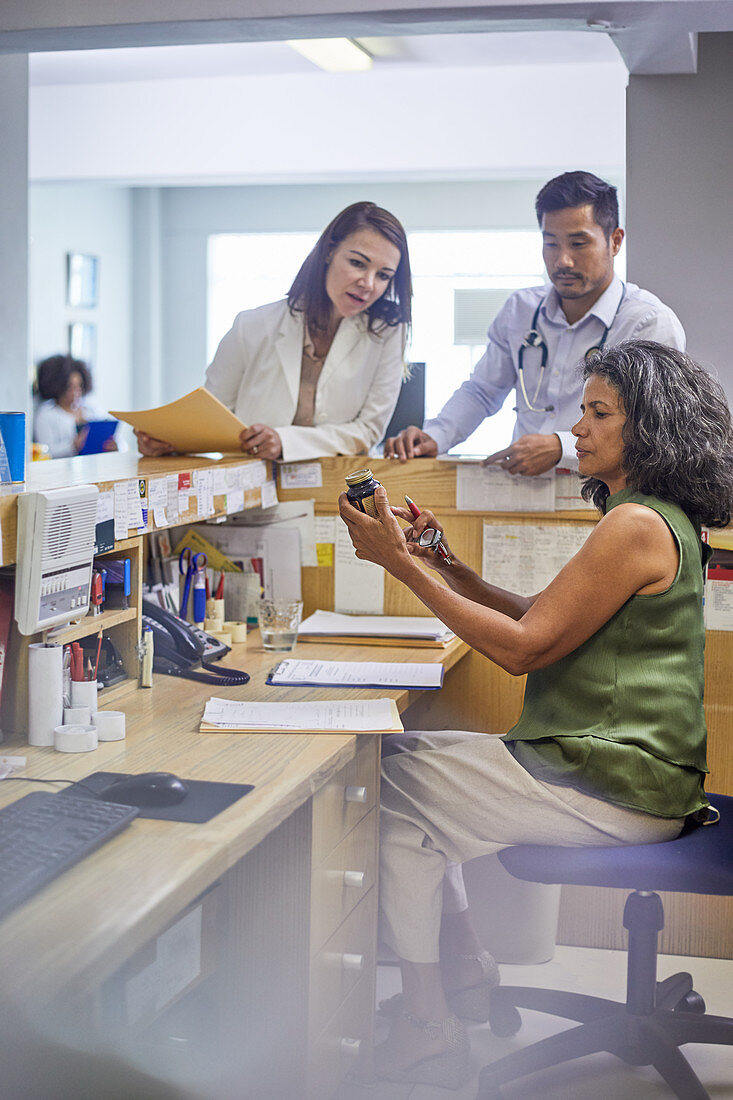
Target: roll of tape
x,y
110,725
222,636
212,626
75,738
219,612
238,631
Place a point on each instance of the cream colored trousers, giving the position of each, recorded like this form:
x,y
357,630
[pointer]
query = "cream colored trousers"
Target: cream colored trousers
x,y
450,796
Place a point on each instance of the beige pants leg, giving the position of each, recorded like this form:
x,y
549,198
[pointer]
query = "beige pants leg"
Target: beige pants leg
x,y
450,796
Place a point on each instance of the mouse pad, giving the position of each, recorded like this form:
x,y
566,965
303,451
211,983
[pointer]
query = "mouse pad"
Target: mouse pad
x,y
203,801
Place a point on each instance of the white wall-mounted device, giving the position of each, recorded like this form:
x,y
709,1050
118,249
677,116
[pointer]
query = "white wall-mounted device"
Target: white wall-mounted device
x,y
55,554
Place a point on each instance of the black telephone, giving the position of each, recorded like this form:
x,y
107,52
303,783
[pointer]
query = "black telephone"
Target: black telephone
x,y
179,648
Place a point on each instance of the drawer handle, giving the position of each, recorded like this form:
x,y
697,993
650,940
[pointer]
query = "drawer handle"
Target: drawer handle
x,y
355,794
351,961
354,878
351,1047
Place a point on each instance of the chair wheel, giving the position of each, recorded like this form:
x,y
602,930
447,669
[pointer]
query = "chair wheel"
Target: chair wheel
x,y
691,1002
504,1021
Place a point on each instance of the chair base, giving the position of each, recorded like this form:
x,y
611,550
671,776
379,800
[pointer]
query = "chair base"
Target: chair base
x,y
648,1030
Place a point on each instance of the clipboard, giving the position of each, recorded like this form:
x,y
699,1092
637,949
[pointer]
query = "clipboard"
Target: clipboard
x,y
194,424
98,432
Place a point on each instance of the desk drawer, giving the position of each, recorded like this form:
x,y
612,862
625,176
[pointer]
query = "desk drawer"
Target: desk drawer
x,y
346,799
347,959
343,880
344,1045
170,965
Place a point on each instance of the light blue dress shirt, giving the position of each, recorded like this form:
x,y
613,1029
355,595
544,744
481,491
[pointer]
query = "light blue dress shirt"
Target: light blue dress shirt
x,y
639,316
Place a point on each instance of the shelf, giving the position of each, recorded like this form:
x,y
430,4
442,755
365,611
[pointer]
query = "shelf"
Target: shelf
x,y
92,624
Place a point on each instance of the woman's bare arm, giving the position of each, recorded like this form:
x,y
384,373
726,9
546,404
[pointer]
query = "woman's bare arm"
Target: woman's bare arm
x,y
631,550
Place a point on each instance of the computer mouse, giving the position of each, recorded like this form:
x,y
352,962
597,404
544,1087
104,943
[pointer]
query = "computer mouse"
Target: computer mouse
x,y
147,789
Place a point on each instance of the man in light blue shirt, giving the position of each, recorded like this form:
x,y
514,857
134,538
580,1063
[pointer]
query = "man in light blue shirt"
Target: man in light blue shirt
x,y
541,334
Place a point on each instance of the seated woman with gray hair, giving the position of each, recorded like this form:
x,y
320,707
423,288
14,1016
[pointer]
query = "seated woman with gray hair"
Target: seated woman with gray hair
x,y
610,745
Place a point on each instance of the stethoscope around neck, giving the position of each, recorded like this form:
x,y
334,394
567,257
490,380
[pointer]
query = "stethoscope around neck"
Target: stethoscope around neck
x,y
535,339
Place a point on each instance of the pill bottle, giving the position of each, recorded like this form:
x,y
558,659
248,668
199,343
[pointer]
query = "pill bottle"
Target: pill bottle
x,y
361,486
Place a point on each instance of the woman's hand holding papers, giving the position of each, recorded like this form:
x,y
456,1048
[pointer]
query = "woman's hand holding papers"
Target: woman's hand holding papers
x,y
152,448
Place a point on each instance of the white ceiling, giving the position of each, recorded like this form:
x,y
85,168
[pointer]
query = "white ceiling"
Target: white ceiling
x,y
488,50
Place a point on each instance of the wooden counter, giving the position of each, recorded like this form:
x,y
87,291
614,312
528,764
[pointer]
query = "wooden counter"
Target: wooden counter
x,y
82,942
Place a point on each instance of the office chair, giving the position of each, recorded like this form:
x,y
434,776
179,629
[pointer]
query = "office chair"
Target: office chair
x,y
410,407
658,1017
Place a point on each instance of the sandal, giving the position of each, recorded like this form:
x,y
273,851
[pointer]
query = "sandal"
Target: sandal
x,y
471,1003
449,1070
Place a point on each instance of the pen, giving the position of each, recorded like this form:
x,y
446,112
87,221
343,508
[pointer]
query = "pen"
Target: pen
x,y
438,546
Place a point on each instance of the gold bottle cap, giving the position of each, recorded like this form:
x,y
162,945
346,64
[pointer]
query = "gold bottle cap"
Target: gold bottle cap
x,y
358,477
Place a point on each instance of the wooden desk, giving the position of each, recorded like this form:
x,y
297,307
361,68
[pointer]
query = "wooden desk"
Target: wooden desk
x,y
263,881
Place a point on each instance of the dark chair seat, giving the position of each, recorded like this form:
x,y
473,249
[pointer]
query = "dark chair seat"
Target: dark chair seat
x,y
658,1017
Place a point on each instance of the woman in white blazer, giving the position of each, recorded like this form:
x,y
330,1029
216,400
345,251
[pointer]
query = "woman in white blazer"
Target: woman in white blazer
x,y
319,372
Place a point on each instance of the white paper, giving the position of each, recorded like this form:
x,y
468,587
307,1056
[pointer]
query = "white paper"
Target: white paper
x,y
326,528
235,501
301,475
105,506
341,714
358,586
171,506
203,483
268,494
298,514
490,489
120,495
253,474
524,558
567,491
376,626
719,604
358,673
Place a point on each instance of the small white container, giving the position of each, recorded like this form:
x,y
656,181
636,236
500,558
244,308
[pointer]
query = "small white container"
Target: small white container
x,y
238,631
76,738
110,725
84,694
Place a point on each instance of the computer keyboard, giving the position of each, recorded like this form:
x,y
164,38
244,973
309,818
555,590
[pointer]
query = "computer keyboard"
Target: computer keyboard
x,y
43,834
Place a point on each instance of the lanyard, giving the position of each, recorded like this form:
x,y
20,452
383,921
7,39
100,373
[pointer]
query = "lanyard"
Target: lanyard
x,y
535,339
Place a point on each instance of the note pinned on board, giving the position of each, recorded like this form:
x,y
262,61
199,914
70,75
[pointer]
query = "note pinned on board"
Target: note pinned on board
x,y
194,424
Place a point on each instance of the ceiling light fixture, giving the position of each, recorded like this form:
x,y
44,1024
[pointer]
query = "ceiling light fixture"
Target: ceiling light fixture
x,y
335,55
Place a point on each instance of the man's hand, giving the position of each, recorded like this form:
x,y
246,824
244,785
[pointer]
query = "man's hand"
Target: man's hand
x,y
261,442
151,447
412,442
529,455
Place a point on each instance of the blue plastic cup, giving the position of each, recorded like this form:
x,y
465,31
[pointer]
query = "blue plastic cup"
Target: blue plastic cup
x,y
12,446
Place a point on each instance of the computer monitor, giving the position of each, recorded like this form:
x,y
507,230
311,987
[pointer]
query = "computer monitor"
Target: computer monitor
x,y
410,407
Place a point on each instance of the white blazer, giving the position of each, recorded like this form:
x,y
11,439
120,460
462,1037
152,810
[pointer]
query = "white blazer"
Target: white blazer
x,y
256,374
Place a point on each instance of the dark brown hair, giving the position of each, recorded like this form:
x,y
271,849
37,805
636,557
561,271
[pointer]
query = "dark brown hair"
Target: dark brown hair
x,y
53,376
678,440
308,292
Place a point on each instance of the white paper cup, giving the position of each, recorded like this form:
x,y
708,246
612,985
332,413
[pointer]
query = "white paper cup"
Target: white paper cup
x,y
77,716
84,694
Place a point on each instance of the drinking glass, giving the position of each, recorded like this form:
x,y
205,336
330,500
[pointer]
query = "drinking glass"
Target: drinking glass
x,y
279,621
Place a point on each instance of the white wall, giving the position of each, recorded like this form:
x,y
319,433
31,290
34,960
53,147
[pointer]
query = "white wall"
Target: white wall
x,y
448,123
95,220
14,394
680,199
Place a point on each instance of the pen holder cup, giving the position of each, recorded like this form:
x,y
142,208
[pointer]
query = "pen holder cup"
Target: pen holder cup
x,y
84,694
77,716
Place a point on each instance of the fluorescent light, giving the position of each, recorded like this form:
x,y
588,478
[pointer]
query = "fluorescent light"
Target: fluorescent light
x,y
336,55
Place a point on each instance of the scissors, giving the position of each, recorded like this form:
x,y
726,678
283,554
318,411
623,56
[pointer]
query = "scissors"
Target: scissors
x,y
193,564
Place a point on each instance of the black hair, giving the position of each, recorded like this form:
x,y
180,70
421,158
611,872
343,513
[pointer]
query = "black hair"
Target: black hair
x,y
308,292
678,439
53,375
573,189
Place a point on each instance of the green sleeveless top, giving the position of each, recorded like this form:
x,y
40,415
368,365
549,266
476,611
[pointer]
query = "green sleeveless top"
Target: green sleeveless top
x,y
621,717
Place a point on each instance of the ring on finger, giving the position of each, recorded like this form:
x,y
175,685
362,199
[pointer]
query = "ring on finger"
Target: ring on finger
x,y
255,450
